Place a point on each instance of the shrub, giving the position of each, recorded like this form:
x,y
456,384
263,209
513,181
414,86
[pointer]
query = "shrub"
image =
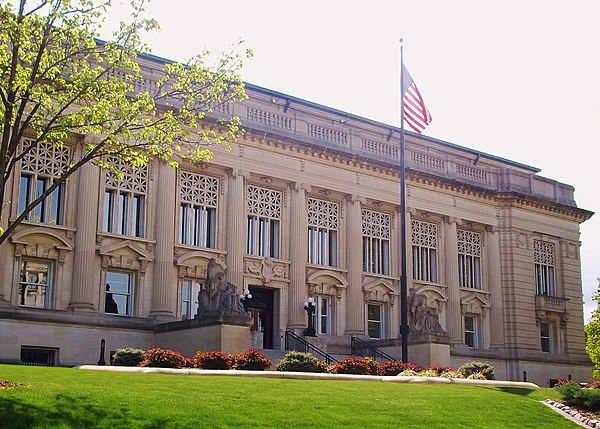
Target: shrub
x,y
162,358
409,373
595,384
212,360
395,367
252,360
373,366
300,362
477,376
452,374
440,370
128,356
352,365
469,368
575,395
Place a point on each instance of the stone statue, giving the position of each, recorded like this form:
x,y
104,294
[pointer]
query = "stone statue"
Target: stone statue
x,y
218,295
424,319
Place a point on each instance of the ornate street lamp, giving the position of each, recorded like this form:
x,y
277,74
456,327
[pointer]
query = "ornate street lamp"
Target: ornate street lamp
x,y
246,298
310,307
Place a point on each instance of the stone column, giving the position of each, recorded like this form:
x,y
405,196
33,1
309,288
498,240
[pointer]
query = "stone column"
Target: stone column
x,y
495,287
82,285
5,256
454,314
355,304
298,292
235,228
164,291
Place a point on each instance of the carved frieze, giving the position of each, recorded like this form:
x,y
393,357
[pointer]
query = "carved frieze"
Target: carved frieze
x,y
266,270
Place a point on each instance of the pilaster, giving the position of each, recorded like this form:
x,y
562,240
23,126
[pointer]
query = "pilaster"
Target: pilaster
x,y
454,315
235,235
495,287
355,306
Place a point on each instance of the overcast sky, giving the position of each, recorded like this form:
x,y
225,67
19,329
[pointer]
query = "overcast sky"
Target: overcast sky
x,y
513,78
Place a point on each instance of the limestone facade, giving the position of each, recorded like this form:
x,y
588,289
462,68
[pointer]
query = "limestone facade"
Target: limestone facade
x,y
306,204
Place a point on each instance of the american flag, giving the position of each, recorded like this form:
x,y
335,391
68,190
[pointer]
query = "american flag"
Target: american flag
x,y
415,113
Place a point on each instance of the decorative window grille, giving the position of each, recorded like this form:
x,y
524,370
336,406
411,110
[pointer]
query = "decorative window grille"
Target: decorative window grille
x,y
543,257
125,201
119,293
471,334
198,201
189,298
424,250
322,315
322,232
35,283
40,167
264,218
376,242
469,259
375,321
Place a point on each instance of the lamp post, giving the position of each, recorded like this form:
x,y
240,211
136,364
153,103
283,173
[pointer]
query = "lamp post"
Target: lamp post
x,y
246,298
101,361
310,307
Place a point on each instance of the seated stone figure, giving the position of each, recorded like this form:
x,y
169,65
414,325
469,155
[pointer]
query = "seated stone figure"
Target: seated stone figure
x,y
218,295
424,319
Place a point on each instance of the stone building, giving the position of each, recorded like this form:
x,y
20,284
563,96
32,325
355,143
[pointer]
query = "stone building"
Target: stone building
x,y
306,204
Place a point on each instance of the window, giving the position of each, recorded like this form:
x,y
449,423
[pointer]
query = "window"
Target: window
x,y
376,242
189,299
545,338
35,283
125,201
471,339
40,167
119,293
264,215
375,320
424,251
322,232
469,259
322,316
198,200
543,256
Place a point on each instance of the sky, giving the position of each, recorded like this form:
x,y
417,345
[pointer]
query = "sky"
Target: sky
x,y
516,79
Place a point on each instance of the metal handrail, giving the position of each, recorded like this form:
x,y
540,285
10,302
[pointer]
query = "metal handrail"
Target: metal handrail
x,y
306,347
373,351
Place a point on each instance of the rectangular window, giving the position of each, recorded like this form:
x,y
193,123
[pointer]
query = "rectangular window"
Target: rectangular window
x,y
471,332
263,237
123,213
376,242
469,259
322,246
375,321
189,298
424,251
50,209
545,338
322,316
35,283
119,293
543,255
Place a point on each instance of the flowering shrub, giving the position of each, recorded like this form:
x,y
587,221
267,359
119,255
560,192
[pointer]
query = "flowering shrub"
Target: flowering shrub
x,y
301,362
595,384
212,360
373,366
128,356
395,367
252,360
440,370
162,358
352,365
485,369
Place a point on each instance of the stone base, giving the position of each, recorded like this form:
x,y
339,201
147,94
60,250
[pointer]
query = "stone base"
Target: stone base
x,y
224,332
429,350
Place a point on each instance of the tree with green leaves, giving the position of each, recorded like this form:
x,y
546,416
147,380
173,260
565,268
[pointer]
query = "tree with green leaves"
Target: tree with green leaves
x,y
59,83
592,335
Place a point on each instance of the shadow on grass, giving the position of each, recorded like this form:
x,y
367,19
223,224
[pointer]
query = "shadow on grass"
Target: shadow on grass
x,y
522,391
71,412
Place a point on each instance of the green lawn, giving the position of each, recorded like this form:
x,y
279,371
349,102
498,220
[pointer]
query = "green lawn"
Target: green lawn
x,y
72,398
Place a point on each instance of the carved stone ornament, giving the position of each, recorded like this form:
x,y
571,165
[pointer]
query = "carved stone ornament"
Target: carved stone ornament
x,y
266,269
217,296
423,319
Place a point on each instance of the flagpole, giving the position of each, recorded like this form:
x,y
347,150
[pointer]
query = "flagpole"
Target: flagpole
x,y
403,280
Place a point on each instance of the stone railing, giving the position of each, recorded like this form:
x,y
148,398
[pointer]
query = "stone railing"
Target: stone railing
x,y
305,123
551,303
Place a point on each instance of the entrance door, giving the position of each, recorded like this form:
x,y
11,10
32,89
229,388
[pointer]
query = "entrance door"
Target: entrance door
x,y
261,308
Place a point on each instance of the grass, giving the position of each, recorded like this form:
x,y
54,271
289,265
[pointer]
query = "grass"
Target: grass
x,y
71,398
